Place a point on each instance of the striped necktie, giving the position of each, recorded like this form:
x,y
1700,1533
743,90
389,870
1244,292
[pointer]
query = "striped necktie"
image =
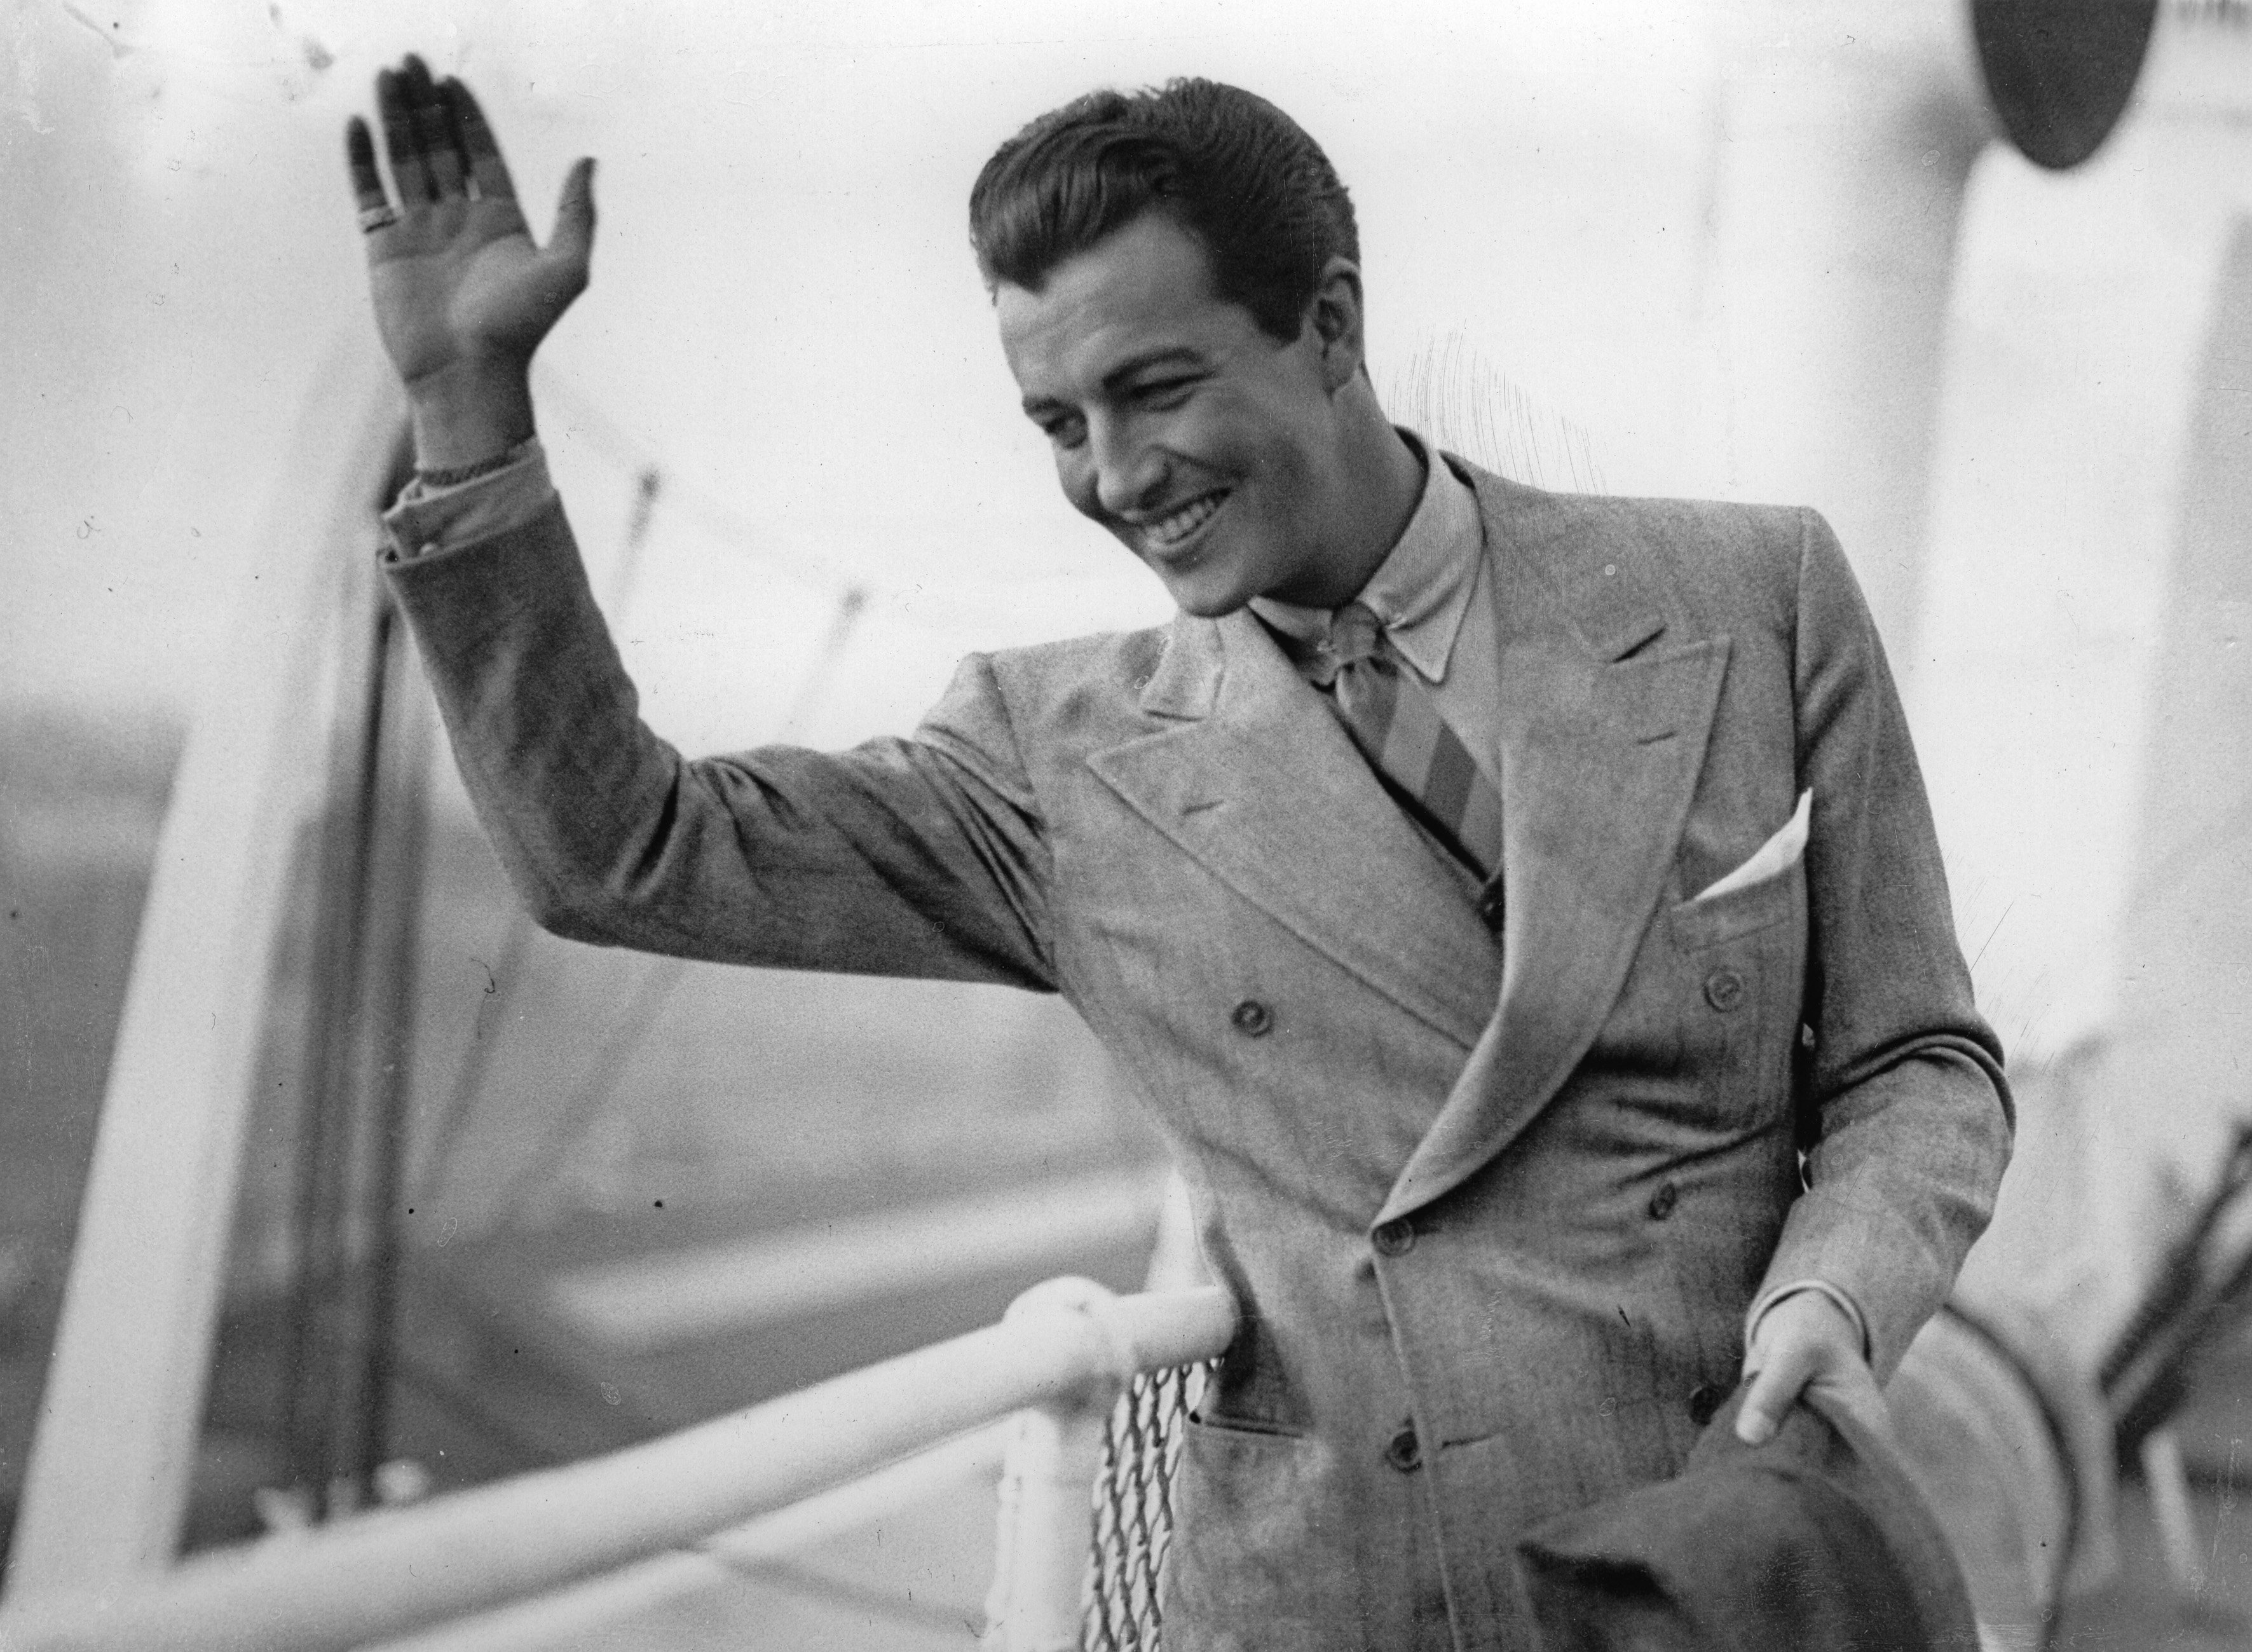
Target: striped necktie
x,y
1396,724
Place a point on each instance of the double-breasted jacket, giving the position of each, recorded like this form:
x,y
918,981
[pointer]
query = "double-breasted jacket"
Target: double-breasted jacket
x,y
1493,1205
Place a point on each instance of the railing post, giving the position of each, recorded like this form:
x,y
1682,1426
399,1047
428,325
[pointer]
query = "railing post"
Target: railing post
x,y
1046,1533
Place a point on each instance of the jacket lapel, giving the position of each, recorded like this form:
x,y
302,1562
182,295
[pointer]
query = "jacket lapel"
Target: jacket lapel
x,y
1605,723
1256,780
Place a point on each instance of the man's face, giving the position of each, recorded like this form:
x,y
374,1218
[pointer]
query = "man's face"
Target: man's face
x,y
1204,444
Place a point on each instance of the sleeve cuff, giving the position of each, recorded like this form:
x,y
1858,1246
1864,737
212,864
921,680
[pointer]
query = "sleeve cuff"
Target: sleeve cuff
x,y
427,519
1846,1305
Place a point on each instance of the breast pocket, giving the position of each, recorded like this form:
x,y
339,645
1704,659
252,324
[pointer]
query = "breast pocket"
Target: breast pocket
x,y
1732,970
1695,925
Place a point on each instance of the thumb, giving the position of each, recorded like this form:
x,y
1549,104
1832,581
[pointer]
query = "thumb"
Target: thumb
x,y
572,243
1774,1388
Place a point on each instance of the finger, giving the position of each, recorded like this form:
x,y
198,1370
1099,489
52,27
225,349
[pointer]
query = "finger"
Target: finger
x,y
487,169
433,131
359,158
1774,1388
572,243
407,173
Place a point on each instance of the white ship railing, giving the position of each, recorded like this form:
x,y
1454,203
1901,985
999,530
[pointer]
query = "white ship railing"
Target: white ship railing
x,y
1066,1352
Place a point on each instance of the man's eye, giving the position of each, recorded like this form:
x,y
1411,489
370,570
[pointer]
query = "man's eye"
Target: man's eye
x,y
1164,392
1064,433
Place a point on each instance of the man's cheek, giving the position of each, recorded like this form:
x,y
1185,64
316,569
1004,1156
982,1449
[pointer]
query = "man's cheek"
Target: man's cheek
x,y
1212,432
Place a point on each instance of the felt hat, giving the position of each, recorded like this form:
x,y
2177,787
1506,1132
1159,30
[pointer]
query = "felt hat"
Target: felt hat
x,y
1816,1541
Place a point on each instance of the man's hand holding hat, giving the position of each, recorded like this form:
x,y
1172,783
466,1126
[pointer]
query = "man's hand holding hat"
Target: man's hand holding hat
x,y
1804,1342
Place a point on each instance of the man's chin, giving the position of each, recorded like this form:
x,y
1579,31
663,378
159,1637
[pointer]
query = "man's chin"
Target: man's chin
x,y
1213,581
1206,603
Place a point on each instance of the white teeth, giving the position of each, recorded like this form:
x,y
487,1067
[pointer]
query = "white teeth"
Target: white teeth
x,y
1172,530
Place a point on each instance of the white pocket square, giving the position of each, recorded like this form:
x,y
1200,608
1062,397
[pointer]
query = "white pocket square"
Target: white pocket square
x,y
1779,854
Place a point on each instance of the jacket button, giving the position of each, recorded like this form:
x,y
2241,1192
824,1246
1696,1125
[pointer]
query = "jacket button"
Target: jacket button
x,y
1724,989
1253,1019
1404,1453
1490,906
1395,1238
1705,1402
1662,1201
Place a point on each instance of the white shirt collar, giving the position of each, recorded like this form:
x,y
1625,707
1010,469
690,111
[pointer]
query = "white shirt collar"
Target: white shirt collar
x,y
1422,589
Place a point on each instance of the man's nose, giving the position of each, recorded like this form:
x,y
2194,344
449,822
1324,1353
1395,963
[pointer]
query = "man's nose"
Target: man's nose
x,y
1128,474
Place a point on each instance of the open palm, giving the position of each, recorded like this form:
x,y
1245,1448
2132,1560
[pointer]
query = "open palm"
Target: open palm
x,y
457,279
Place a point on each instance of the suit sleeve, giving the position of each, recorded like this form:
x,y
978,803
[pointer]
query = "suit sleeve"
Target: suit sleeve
x,y
1904,1110
922,856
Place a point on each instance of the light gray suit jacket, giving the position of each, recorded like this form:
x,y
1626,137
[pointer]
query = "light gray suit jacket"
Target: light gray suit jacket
x,y
1493,1210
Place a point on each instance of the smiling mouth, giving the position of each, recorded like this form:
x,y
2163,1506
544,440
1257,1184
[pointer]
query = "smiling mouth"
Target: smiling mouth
x,y
1170,534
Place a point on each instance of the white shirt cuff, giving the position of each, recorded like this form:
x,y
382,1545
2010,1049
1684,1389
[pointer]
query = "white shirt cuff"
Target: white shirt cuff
x,y
425,520
1769,1299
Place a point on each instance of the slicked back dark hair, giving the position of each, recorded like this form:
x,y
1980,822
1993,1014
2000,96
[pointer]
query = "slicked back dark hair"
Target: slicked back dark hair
x,y
1228,167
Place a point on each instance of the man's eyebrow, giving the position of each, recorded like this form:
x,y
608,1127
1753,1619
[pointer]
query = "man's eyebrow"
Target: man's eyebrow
x,y
1170,356
1125,370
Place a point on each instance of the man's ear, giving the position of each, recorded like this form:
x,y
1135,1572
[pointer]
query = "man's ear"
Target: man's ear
x,y
1334,317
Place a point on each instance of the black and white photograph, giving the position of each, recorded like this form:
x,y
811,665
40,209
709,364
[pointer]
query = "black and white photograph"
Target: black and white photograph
x,y
1222,825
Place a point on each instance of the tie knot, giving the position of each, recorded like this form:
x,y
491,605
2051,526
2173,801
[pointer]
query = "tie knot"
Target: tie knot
x,y
1355,637
1355,633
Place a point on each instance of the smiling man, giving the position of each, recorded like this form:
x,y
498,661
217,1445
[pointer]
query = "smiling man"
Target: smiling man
x,y
1234,463
1519,912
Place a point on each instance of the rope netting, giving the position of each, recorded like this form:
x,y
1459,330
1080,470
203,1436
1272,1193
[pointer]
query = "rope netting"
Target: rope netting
x,y
1134,1508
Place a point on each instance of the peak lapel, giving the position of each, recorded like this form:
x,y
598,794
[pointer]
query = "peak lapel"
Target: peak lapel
x,y
1259,783
1604,733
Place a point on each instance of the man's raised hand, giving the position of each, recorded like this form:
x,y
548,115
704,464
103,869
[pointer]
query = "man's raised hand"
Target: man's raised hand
x,y
463,296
